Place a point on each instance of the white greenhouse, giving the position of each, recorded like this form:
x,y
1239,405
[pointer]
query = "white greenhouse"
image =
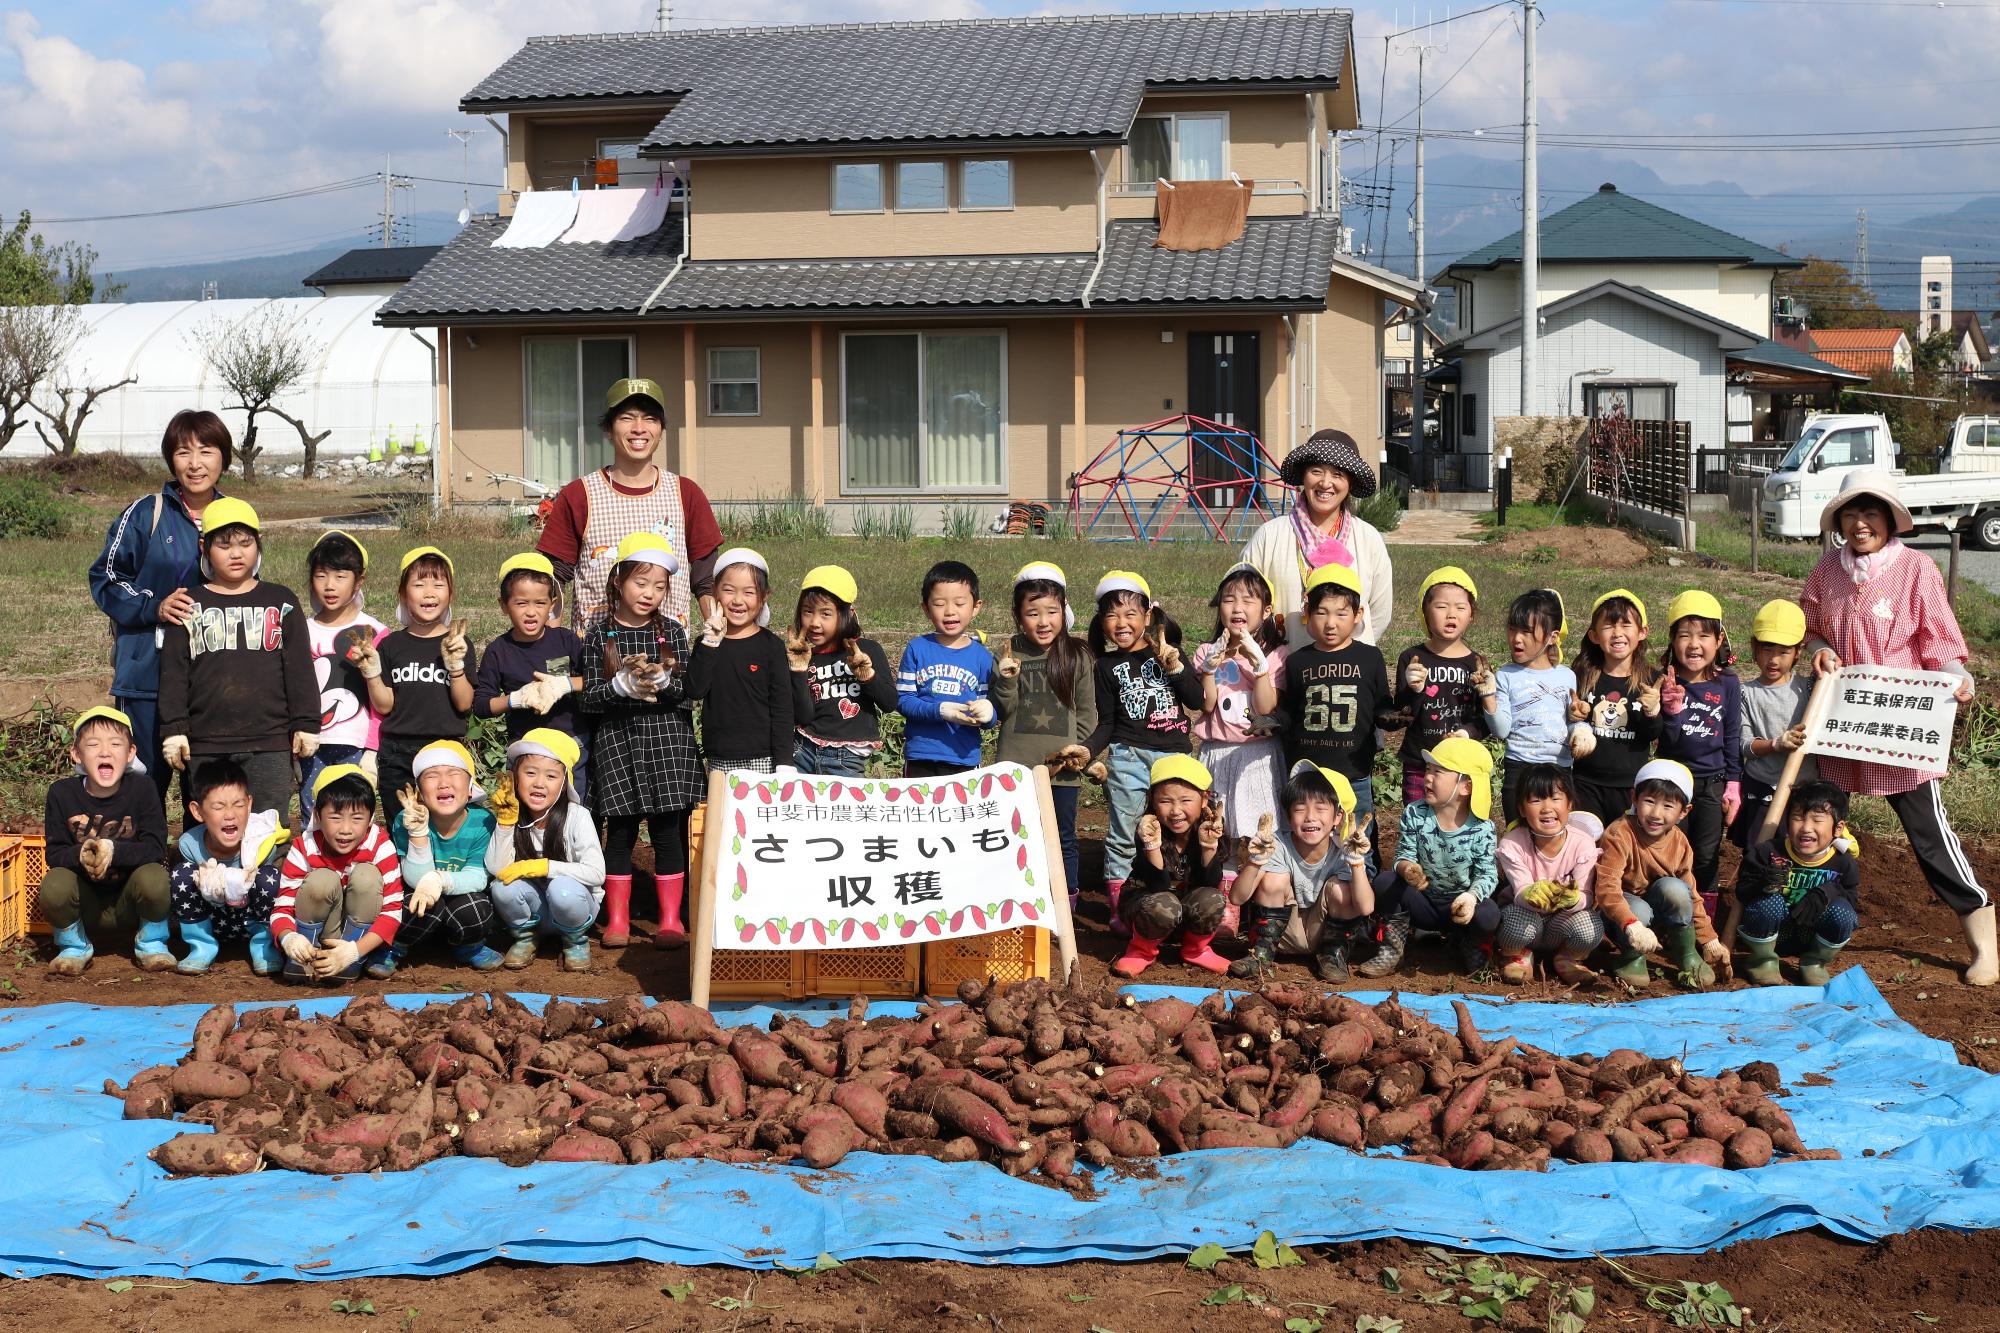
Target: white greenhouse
x,y
371,386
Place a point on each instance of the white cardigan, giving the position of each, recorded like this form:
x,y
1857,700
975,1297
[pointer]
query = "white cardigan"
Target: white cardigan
x,y
1274,550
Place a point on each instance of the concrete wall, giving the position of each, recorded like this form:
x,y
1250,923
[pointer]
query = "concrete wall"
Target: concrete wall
x,y
1266,140
1741,296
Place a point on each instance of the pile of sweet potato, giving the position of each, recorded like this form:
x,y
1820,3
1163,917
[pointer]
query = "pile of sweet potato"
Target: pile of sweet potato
x,y
1032,1078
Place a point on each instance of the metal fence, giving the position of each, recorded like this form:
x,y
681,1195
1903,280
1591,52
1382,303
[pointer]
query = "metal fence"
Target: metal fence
x,y
1714,467
1639,462
1432,470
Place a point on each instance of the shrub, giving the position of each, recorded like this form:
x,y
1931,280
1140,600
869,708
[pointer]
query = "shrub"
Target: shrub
x,y
31,506
963,523
1383,510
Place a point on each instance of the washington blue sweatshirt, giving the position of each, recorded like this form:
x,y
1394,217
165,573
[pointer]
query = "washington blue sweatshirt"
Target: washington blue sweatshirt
x,y
1707,735
930,676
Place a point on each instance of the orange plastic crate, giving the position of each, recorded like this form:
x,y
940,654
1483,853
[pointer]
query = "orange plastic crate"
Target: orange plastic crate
x,y
883,971
745,974
29,861
1005,955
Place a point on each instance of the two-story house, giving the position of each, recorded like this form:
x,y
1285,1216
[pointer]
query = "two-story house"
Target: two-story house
x,y
1663,316
910,260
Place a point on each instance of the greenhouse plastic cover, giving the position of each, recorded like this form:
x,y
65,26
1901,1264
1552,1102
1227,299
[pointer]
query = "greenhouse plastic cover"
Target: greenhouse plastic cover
x,y
81,1197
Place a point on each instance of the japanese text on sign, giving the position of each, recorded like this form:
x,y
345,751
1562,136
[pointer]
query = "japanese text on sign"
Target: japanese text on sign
x,y
812,862
1898,716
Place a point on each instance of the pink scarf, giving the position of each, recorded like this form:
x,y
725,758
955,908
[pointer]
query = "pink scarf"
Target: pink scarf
x,y
1317,548
1862,568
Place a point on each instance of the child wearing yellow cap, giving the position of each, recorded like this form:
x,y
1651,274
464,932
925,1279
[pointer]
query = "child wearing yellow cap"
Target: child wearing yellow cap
x,y
1336,691
1527,701
349,729
1444,877
441,838
841,681
236,677
1176,881
1433,679
106,841
1703,702
1617,702
1304,888
530,674
419,675
1774,710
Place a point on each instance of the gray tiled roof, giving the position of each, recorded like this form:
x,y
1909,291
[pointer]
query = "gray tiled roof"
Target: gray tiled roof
x,y
1770,352
1608,225
1279,263
373,263
973,80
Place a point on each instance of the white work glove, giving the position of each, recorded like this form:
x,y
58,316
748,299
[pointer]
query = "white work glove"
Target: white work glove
x,y
334,959
175,749
235,885
95,854
981,711
424,896
712,627
860,663
1254,651
416,819
1008,666
1483,679
367,659
1582,740
1462,907
1217,653
305,744
1149,832
1096,771
210,880
453,649
1792,737
541,693
1715,953
297,948
1416,675
957,712
631,685
1641,937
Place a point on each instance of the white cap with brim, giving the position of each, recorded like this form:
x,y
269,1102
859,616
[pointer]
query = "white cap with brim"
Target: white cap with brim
x,y
743,555
1669,771
448,754
1867,482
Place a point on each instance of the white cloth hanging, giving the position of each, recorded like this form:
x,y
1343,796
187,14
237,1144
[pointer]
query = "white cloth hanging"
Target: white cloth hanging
x,y
652,211
602,214
540,218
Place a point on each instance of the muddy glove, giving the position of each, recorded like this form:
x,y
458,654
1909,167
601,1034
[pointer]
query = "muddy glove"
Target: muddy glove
x,y
1258,850
335,958
453,649
1579,710
1673,694
1007,667
1462,908
1482,677
305,744
1096,771
1356,841
859,662
1170,658
1732,801
95,856
1252,652
1413,875
1715,953
1207,662
632,682
1209,832
798,651
712,627
537,868
1548,895
1264,724
424,895
1069,759
175,749
1793,737
981,711
1641,937
1149,832
367,659
1649,699
954,711
210,882
1582,740
416,819
297,947
1416,675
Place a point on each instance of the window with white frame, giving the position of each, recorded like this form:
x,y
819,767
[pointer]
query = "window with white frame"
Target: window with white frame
x,y
632,169
985,183
857,187
1177,145
920,187
567,379
924,411
733,382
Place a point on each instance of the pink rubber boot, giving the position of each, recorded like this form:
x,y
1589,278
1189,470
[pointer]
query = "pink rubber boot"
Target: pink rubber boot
x,y
672,934
617,911
1195,951
1139,955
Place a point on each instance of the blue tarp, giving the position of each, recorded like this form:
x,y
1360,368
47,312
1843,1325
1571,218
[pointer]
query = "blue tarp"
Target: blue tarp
x,y
81,1197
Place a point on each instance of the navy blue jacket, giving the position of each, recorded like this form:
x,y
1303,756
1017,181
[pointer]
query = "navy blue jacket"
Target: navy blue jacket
x,y
141,565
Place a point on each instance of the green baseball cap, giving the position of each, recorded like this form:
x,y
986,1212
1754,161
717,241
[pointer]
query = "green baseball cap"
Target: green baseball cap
x,y
635,388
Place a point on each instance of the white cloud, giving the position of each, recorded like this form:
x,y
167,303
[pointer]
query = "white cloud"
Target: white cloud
x,y
68,97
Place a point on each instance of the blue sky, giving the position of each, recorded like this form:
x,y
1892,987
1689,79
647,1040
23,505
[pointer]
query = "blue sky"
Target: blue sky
x,y
114,106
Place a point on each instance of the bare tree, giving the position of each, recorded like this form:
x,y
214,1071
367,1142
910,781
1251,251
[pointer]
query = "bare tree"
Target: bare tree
x,y
34,340
74,402
258,358
308,439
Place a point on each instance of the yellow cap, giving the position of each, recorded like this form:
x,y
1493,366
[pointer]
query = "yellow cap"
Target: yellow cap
x,y
1337,576
1458,754
416,553
441,754
1343,790
1122,580
1630,596
1693,602
226,510
1781,623
634,387
534,562
104,711
340,532
1180,768
651,548
333,773
1045,570
1451,574
831,579
549,743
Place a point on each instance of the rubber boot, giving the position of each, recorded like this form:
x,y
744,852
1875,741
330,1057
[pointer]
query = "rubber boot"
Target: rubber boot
x,y
576,952
1764,968
1570,968
1984,969
1389,953
1518,969
1195,951
671,934
1686,956
478,955
1265,926
1631,968
1470,953
202,948
1139,955
617,912
1812,963
73,951
296,971
522,951
1112,888
1330,954
266,958
382,964
149,946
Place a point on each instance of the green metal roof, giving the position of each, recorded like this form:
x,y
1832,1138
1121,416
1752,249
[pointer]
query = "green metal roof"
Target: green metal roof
x,y
1608,225
1773,353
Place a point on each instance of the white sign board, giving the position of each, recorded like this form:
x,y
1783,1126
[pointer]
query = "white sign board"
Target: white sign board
x,y
1898,716
808,862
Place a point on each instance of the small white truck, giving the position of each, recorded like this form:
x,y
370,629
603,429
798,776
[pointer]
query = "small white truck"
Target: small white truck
x,y
1963,493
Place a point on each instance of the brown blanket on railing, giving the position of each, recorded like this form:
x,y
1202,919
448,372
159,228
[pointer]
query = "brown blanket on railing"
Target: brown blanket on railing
x,y
1202,215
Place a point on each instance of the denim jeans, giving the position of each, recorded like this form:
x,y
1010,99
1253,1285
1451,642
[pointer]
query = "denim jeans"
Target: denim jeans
x,y
1668,903
810,756
557,905
1129,779
1364,805
1064,799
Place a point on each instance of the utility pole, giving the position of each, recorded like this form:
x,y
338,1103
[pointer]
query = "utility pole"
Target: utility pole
x,y
1531,248
391,183
1861,247
663,17
1426,39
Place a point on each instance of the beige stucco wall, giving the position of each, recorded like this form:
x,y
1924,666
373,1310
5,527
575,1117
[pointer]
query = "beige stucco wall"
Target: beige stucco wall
x,y
545,151
1742,296
778,208
1267,140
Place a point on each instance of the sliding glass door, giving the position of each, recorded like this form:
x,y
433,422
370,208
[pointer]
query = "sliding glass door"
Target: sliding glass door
x,y
924,411
567,379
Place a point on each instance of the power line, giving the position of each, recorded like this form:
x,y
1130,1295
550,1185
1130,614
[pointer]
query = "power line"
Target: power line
x,y
1855,4
1700,145
1451,18
1454,74
304,192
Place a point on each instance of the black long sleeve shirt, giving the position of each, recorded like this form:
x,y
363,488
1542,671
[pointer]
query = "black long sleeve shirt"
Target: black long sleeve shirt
x,y
1333,702
1138,704
238,676
745,687
130,816
829,704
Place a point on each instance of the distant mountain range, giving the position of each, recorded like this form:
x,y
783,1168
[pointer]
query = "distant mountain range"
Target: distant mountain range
x,y
269,275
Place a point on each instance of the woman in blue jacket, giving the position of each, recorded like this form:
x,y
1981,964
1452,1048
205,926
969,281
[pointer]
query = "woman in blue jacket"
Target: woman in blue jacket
x,y
151,552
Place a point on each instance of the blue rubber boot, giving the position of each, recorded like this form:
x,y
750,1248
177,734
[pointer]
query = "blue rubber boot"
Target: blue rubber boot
x,y
149,946
295,971
202,948
382,964
73,951
576,952
479,956
522,951
266,958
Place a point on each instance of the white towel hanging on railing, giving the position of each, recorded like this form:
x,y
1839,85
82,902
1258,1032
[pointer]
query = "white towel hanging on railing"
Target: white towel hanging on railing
x,y
602,214
651,212
540,217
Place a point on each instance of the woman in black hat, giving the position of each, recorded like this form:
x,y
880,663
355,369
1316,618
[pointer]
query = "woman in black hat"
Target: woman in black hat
x,y
1329,475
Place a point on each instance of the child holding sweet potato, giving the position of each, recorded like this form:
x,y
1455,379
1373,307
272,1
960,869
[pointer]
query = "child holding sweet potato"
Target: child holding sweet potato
x,y
1444,877
1306,890
1176,881
1645,871
106,838
340,894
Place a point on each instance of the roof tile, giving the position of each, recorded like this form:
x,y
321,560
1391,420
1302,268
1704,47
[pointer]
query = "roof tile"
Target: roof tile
x,y
1608,225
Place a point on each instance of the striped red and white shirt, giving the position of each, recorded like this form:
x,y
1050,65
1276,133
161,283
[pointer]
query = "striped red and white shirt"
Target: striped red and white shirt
x,y
307,854
1899,617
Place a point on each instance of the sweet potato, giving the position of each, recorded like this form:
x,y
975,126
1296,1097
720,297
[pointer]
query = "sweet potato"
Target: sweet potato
x,y
1464,1104
763,1061
209,1031
440,1056
1471,1150
1395,1126
1298,1104
200,1080
1468,1034
1627,1146
1398,1084
1747,1149
305,1068
973,1115
1198,1044
149,1101
725,1085
513,1140
1337,1124
1239,1136
1129,1138
963,1149
580,1145
209,1154
865,1106
828,1142
1345,1044
1169,1016
1590,1145
372,1130
320,1159
1697,1152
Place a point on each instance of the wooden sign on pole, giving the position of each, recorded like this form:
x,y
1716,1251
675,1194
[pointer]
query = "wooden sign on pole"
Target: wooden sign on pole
x,y
701,962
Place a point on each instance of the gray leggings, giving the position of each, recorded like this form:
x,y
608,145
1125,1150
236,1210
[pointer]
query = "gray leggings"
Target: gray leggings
x,y
1574,930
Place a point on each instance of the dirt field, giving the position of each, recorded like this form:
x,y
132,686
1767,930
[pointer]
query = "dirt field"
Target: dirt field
x,y
1801,1281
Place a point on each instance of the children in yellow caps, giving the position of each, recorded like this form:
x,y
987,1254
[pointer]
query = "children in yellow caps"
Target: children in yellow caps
x,y
1336,688
1433,679
547,867
841,682
532,674
106,841
1615,713
419,676
441,836
1774,711
1703,703
1176,882
1305,888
